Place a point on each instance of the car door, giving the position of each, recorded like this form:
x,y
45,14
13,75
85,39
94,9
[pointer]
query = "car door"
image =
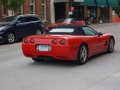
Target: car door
x,y
34,24
20,27
30,25
95,42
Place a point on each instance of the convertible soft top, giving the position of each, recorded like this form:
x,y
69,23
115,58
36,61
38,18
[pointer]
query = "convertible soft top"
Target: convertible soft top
x,y
70,26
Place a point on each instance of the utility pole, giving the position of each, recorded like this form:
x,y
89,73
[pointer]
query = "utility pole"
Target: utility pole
x,y
71,2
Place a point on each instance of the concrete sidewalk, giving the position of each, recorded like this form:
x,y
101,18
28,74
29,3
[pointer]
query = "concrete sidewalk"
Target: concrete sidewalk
x,y
102,25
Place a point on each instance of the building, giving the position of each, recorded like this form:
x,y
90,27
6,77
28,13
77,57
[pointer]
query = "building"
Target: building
x,y
52,10
39,7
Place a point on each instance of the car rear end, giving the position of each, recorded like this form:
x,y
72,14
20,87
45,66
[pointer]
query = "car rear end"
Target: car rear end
x,y
44,47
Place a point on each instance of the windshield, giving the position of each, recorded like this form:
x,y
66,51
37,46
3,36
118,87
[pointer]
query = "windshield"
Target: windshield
x,y
61,31
7,19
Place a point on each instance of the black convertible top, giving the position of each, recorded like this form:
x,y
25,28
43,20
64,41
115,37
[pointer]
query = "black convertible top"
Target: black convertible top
x,y
70,26
61,29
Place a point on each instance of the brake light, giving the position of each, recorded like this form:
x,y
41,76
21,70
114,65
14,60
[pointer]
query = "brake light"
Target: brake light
x,y
55,41
32,40
62,42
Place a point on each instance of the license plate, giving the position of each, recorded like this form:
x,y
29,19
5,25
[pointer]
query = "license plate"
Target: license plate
x,y
43,47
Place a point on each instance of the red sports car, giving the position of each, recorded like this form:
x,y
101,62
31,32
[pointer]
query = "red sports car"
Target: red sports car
x,y
75,43
67,21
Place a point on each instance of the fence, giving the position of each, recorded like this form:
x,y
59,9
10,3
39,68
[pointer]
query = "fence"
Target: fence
x,y
116,19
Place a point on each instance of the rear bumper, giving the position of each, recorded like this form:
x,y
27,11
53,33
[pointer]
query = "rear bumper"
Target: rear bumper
x,y
57,52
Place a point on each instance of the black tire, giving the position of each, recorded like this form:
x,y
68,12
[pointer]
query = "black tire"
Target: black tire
x,y
38,32
82,55
111,44
10,37
36,59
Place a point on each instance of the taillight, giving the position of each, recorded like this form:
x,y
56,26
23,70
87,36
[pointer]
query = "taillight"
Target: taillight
x,y
55,41
25,40
62,42
32,40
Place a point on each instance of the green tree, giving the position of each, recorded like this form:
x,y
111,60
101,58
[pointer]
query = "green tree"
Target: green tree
x,y
13,5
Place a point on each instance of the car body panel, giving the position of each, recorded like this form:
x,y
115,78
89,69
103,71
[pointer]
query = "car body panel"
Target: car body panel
x,y
22,28
69,51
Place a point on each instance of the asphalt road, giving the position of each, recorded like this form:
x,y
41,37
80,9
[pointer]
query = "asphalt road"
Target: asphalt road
x,y
100,73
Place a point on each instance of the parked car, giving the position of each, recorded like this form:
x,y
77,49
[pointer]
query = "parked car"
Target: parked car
x,y
75,43
15,27
66,21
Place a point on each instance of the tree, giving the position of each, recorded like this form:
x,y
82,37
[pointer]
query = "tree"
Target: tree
x,y
12,5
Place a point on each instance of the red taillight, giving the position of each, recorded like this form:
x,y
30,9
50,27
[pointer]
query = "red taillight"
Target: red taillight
x,y
62,42
32,40
55,41
25,40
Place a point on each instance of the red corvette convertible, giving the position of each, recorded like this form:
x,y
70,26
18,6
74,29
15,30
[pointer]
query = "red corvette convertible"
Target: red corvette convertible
x,y
75,43
67,21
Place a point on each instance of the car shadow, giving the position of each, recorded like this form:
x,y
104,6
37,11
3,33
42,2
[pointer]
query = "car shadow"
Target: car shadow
x,y
60,63
4,43
55,63
93,58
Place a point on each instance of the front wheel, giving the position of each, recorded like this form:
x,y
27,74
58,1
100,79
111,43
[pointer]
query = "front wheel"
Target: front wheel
x,y
10,37
82,55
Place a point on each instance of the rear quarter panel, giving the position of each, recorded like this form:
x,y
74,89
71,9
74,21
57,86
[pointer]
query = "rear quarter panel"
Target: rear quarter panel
x,y
74,44
76,41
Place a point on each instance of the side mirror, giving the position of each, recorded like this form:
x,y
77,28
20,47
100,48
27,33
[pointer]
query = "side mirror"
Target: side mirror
x,y
100,34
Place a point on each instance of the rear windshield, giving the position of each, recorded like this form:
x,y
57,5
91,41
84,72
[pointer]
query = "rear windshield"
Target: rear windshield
x,y
61,31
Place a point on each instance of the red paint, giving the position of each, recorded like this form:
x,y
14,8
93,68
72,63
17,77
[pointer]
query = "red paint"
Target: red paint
x,y
81,22
64,47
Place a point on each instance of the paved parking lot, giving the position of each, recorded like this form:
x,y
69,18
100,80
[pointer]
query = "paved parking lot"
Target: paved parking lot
x,y
100,73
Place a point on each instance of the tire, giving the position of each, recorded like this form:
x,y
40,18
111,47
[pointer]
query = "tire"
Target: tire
x,y
10,37
111,45
36,59
38,32
82,55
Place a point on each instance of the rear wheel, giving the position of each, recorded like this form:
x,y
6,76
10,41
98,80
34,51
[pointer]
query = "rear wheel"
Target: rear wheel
x,y
82,55
10,37
38,59
111,45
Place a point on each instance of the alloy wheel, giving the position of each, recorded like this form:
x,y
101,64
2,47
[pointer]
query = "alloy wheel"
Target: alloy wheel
x,y
10,37
111,45
82,56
